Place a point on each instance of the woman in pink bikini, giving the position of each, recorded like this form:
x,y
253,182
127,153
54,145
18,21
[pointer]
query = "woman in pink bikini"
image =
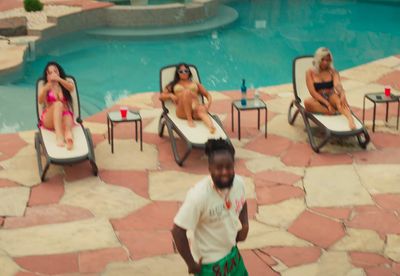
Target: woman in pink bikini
x,y
56,96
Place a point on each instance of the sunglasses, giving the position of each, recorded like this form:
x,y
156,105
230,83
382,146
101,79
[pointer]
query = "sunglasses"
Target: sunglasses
x,y
185,71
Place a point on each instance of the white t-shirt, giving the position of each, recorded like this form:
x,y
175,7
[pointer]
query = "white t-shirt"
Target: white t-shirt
x,y
214,225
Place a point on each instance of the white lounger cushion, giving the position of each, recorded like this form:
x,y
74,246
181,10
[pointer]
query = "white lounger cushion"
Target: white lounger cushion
x,y
198,134
55,152
337,122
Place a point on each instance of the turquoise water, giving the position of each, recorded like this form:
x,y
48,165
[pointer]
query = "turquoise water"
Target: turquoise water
x,y
260,47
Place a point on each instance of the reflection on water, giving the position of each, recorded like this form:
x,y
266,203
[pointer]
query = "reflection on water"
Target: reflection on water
x,y
259,47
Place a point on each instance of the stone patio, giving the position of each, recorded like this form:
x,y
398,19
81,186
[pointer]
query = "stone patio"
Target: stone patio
x,y
333,213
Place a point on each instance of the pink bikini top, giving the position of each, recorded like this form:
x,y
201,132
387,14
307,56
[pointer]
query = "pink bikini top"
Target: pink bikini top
x,y
51,97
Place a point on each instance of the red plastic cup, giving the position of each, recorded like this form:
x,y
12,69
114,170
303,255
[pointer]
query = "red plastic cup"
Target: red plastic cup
x,y
124,111
387,91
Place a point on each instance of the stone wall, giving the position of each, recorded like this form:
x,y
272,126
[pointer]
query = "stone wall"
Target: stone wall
x,y
13,26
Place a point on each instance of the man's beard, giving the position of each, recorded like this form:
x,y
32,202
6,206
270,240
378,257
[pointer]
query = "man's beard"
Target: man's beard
x,y
224,185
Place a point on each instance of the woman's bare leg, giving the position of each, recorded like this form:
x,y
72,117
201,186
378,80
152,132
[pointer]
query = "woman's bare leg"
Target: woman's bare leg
x,y
314,106
52,120
345,110
68,124
184,108
57,119
202,114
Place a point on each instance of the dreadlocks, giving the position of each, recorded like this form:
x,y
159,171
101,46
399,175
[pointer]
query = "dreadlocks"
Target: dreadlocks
x,y
214,146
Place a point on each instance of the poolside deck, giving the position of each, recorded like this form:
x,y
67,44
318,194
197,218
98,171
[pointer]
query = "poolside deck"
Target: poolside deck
x,y
334,213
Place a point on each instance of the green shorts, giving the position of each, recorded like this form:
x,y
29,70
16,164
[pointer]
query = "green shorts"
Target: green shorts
x,y
230,265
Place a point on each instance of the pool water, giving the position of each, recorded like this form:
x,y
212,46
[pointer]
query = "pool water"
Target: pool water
x,y
259,47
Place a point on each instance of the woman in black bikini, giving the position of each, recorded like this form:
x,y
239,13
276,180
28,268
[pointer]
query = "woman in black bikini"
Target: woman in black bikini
x,y
327,93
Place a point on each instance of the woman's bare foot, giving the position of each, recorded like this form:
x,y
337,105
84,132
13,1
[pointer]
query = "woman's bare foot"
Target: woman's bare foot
x,y
191,123
69,143
60,142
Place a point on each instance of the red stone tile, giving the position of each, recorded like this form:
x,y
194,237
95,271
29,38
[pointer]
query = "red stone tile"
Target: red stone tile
x,y
158,215
381,221
396,268
195,163
10,144
137,181
241,169
274,145
277,177
48,214
385,140
316,229
255,265
145,243
98,138
265,257
48,192
96,261
23,273
8,5
221,107
1,221
384,156
388,201
298,155
50,264
379,271
365,259
366,208
252,207
7,183
391,79
327,159
278,193
334,212
294,256
78,171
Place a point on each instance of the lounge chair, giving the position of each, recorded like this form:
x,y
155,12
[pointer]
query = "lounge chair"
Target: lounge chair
x,y
45,140
193,137
331,126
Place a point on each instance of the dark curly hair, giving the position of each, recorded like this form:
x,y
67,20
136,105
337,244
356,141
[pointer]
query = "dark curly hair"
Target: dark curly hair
x,y
214,146
65,92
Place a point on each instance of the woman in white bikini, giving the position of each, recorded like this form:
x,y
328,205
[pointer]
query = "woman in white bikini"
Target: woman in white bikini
x,y
183,91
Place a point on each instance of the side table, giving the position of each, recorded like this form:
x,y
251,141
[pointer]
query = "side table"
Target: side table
x,y
377,98
114,117
252,104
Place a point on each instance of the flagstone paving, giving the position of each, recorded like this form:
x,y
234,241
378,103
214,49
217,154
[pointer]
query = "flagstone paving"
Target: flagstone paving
x,y
333,213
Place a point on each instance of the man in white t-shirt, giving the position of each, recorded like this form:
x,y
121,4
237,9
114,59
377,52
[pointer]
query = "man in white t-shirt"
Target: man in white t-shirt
x,y
215,209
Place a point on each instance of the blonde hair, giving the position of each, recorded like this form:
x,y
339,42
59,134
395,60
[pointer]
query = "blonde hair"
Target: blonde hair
x,y
320,53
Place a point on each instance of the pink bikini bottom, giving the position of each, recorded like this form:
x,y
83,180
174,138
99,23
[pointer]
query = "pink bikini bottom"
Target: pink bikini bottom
x,y
65,113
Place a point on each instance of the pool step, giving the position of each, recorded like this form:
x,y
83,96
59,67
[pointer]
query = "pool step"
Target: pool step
x,y
37,30
225,16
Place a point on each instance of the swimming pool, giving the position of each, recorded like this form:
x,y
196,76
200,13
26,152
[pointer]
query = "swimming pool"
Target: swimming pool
x,y
259,46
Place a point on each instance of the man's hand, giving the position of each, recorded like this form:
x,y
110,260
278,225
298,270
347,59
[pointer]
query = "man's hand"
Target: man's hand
x,y
195,267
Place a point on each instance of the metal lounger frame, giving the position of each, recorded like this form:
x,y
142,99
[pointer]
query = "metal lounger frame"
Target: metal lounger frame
x,y
41,148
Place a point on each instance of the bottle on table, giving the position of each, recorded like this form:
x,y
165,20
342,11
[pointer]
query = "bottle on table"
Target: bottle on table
x,y
243,90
